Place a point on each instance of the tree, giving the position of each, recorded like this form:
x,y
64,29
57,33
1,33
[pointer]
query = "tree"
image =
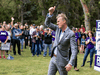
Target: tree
x,y
86,14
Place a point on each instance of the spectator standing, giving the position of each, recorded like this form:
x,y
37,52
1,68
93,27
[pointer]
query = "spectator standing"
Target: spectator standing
x,y
82,44
3,39
35,42
82,29
22,37
26,34
42,37
32,29
16,33
47,42
9,36
90,42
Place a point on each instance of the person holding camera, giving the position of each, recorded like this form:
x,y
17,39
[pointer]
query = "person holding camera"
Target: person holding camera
x,y
35,42
47,42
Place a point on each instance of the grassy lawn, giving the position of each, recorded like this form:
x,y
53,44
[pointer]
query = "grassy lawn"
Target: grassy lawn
x,y
28,65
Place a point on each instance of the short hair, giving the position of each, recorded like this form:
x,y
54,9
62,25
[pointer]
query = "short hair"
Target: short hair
x,y
15,24
63,16
41,26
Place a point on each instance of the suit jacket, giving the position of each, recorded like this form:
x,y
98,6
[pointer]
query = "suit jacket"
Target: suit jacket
x,y
66,41
34,39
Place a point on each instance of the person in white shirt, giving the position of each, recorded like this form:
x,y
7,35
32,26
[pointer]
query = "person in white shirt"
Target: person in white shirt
x,y
31,32
9,36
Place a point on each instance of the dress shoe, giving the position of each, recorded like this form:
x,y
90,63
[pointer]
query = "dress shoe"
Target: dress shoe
x,y
76,69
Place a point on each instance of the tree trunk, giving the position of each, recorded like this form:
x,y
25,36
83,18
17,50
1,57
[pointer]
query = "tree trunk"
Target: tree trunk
x,y
86,13
22,12
42,6
44,13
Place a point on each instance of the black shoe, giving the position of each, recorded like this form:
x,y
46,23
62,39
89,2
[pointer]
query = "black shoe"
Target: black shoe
x,y
19,54
82,65
90,66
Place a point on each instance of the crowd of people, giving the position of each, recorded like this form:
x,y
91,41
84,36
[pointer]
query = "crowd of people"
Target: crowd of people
x,y
36,37
39,39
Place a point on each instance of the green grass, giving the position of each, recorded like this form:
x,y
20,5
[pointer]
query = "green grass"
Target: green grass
x,y
28,65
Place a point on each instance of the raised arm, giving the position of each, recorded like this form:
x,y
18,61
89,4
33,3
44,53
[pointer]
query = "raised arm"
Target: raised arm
x,y
12,20
48,19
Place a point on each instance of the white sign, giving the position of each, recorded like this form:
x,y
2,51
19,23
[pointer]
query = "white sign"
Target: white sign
x,y
97,51
5,46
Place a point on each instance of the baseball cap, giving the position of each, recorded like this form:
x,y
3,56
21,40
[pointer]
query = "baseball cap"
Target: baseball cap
x,y
33,24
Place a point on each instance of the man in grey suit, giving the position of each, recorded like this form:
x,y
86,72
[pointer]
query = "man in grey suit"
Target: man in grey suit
x,y
64,37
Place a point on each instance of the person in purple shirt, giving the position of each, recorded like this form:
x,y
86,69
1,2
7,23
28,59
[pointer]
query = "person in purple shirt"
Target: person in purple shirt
x,y
53,34
90,42
3,39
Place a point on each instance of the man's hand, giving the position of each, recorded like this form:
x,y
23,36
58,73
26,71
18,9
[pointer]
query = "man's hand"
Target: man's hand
x,y
51,10
68,67
35,35
12,18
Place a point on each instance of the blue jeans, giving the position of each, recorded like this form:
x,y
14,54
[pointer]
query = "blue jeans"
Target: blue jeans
x,y
87,51
22,42
35,48
45,49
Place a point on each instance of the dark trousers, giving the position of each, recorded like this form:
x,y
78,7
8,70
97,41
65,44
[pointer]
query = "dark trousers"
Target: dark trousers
x,y
26,42
35,48
41,45
18,46
31,43
75,65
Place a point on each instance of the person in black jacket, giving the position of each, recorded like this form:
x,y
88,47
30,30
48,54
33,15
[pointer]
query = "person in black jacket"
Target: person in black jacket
x,y
26,34
22,37
47,42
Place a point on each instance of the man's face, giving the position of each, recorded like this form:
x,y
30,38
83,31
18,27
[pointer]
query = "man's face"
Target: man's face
x,y
81,26
16,26
33,26
37,29
60,22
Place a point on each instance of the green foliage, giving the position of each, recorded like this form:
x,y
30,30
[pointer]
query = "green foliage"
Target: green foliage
x,y
7,9
33,11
